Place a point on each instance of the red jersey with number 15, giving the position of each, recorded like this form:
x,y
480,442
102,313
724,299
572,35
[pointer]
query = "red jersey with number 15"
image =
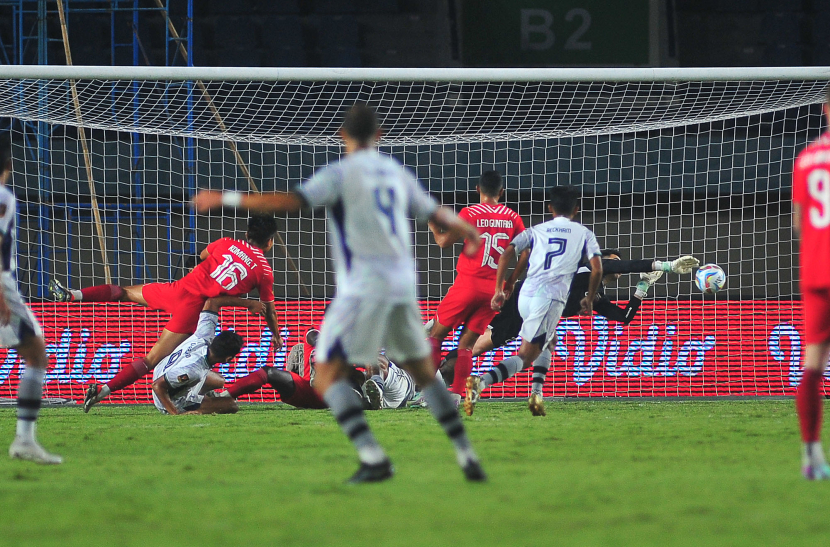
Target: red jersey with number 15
x,y
498,225
232,268
811,190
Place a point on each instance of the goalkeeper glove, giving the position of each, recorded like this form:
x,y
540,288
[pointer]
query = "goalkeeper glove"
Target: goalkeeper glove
x,y
647,279
681,265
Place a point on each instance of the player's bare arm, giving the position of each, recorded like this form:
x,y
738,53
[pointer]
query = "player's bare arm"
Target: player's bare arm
x,y
593,285
797,220
500,295
273,324
5,312
521,266
162,390
443,238
254,306
457,228
274,202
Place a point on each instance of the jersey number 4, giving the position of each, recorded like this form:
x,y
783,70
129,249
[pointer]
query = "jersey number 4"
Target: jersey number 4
x,y
229,273
559,246
818,184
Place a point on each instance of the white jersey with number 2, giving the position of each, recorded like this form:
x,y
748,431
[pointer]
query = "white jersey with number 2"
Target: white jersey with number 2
x,y
556,249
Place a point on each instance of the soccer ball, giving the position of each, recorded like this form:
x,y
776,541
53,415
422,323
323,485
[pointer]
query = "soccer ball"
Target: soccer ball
x,y
710,278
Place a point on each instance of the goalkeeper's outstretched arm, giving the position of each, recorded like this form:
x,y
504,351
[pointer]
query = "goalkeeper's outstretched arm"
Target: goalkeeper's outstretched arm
x,y
273,202
681,265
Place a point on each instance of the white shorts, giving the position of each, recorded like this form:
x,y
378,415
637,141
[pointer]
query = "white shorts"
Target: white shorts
x,y
187,400
540,316
22,322
356,328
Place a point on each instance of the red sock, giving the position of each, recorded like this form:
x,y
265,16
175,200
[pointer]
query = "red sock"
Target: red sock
x,y
436,351
808,404
102,293
128,375
248,384
463,368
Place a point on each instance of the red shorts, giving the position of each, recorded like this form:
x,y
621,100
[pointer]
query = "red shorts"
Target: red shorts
x,y
304,395
816,305
173,298
467,303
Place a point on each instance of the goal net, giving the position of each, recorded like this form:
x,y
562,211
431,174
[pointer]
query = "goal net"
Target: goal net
x,y
670,162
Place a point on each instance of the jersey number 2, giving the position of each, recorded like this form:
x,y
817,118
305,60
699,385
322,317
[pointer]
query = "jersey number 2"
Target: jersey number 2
x,y
229,273
818,184
558,250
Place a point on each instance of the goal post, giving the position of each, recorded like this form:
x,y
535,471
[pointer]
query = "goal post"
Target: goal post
x,y
670,161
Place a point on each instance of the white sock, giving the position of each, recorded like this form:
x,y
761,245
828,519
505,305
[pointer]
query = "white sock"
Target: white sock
x,y
76,294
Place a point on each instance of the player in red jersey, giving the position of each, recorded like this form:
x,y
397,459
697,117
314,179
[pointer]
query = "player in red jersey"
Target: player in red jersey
x,y
811,220
294,389
468,300
229,268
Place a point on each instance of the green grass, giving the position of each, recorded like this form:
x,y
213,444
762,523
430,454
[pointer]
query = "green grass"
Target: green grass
x,y
590,473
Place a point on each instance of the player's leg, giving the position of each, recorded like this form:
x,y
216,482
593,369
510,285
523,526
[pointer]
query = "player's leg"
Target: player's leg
x,y
816,305
167,342
218,405
450,314
464,361
404,340
484,343
97,293
29,394
541,365
352,332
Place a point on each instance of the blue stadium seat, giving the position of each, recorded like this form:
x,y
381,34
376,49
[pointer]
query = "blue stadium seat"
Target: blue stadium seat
x,y
340,56
377,6
334,6
236,32
784,55
781,28
336,31
282,31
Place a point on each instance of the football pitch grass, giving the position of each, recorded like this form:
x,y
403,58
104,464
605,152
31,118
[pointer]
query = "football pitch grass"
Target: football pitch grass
x,y
593,472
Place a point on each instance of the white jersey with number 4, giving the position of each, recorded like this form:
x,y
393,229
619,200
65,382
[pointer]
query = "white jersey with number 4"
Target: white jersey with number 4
x,y
186,368
369,199
556,249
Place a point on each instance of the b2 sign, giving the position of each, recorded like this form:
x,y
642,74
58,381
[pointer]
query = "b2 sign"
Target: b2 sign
x,y
548,33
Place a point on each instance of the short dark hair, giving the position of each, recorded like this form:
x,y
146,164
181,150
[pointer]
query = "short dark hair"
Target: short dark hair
x,y
5,153
609,252
361,123
490,183
261,229
563,199
226,345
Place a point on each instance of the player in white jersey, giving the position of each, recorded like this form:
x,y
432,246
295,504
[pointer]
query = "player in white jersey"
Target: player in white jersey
x,y
556,249
181,380
369,199
19,329
389,386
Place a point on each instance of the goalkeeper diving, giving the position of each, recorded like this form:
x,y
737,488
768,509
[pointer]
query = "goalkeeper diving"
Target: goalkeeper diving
x,y
506,325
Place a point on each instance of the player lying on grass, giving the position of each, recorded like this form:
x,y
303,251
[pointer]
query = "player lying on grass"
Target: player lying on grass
x,y
369,200
506,325
811,223
19,329
229,267
556,249
468,300
183,378
389,386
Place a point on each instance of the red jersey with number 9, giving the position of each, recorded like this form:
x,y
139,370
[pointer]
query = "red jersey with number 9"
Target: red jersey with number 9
x,y
498,225
811,191
232,268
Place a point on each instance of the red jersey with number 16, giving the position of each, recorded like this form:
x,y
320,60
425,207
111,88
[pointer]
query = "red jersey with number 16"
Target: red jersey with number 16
x,y
498,225
232,268
811,190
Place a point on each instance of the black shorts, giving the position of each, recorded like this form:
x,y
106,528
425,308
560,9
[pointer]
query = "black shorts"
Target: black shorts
x,y
506,325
